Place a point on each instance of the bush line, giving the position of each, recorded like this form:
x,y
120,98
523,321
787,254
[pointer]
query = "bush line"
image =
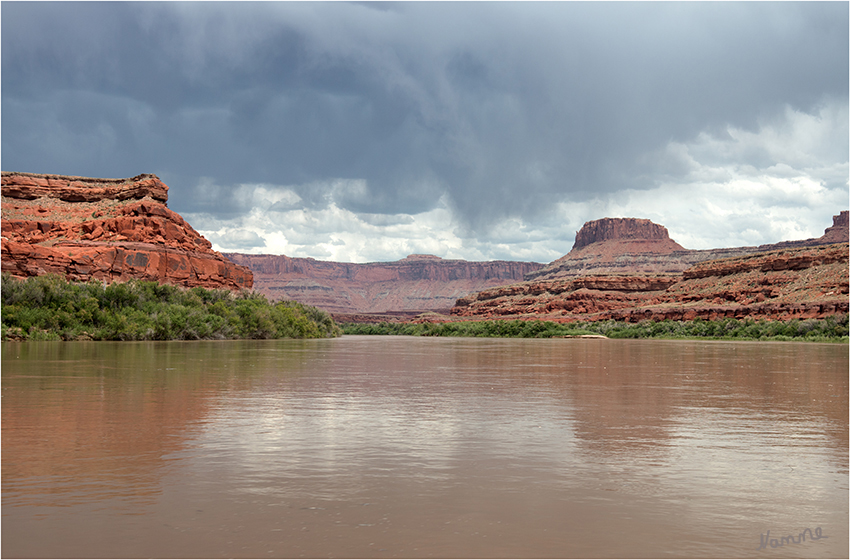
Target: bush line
x,y
829,329
51,308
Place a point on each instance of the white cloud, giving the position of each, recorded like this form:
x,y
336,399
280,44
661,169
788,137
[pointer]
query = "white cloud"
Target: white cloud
x,y
713,195
740,212
794,138
238,238
337,234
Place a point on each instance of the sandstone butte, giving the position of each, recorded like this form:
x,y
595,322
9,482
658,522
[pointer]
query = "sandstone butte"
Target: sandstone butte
x,y
630,270
108,230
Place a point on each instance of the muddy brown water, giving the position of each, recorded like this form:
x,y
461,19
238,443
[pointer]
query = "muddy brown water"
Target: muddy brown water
x,y
425,447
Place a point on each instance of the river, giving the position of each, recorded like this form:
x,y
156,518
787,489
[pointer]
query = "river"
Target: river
x,y
388,447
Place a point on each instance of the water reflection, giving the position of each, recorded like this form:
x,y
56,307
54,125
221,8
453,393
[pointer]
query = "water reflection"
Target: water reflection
x,y
90,421
394,446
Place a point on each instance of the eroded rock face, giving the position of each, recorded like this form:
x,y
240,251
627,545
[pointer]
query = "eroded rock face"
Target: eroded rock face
x,y
619,246
623,246
30,186
416,283
840,229
805,282
620,229
105,229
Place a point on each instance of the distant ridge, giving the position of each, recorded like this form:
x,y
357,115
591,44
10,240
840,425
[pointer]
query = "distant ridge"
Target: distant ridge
x,y
415,283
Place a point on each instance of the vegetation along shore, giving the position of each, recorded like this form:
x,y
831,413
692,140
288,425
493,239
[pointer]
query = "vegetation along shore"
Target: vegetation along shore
x,y
829,329
52,308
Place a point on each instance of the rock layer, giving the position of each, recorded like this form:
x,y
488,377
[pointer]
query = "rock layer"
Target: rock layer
x,y
616,246
30,186
416,283
801,282
105,229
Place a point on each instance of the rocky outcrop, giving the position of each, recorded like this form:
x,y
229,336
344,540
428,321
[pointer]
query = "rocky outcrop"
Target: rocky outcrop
x,y
415,283
617,246
31,186
839,231
620,229
633,246
105,229
562,298
799,282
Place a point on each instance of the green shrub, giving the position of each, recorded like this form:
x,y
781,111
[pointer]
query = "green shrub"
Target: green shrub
x,y
834,329
50,308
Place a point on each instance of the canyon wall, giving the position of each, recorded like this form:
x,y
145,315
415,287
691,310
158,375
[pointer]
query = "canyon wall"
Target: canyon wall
x,y
615,265
105,229
782,284
416,283
629,269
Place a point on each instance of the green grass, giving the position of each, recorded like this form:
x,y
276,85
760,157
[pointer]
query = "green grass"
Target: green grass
x,y
830,329
51,308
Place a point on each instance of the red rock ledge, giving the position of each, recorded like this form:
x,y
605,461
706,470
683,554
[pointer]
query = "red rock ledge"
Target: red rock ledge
x,y
105,229
807,282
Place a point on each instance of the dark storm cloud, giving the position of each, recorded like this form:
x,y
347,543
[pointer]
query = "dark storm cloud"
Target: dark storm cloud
x,y
506,107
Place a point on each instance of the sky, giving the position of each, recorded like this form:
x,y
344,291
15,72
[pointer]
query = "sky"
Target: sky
x,y
362,132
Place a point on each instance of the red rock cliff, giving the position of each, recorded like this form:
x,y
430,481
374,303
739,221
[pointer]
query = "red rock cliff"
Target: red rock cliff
x,y
620,229
415,283
105,229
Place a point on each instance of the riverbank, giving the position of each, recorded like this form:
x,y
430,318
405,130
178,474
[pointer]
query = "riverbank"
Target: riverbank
x,y
830,329
51,308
